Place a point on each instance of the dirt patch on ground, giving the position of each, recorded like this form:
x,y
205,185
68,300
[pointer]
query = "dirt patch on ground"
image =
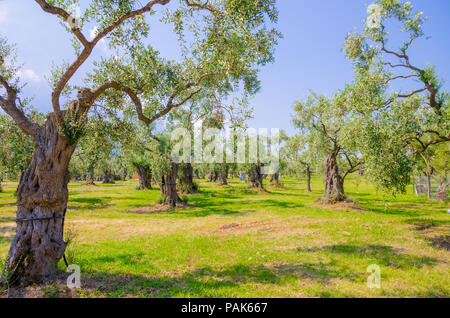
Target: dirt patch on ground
x,y
423,226
434,232
270,228
97,285
248,227
348,206
158,208
258,190
441,242
276,186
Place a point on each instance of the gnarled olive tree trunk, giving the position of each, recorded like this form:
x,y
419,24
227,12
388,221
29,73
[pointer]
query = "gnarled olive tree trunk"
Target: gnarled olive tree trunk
x,y
169,186
42,197
308,178
187,184
125,175
334,184
275,179
428,185
145,176
213,176
107,176
90,180
255,177
222,175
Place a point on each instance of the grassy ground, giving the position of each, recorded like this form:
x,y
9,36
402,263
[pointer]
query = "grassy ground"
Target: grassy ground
x,y
233,242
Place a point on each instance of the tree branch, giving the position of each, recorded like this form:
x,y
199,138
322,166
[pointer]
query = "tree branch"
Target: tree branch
x,y
8,104
400,76
148,7
88,46
200,6
65,15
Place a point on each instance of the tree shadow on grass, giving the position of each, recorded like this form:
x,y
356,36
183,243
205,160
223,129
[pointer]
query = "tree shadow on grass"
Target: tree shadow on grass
x,y
281,204
4,205
7,220
205,281
422,224
7,233
373,206
98,203
381,254
92,201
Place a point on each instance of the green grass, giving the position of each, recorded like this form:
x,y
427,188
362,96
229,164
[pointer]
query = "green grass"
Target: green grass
x,y
232,242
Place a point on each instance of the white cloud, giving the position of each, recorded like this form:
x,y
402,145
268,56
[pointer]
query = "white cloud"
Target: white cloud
x,y
3,12
29,75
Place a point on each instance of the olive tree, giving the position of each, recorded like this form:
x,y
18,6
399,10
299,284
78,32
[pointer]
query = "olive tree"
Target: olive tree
x,y
329,129
299,158
402,107
230,41
16,148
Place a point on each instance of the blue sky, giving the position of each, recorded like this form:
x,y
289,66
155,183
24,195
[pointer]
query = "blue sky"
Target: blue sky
x,y
308,57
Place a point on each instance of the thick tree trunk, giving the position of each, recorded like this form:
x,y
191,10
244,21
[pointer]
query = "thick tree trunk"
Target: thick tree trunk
x,y
42,197
334,184
169,187
108,176
428,185
213,176
255,177
145,176
275,179
222,175
90,179
187,184
308,178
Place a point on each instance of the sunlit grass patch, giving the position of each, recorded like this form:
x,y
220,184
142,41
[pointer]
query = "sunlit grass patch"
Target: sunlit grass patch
x,y
232,242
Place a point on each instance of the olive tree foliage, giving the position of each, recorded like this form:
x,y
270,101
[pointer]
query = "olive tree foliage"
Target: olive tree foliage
x,y
402,107
300,159
192,120
441,164
16,148
328,129
223,42
98,148
434,162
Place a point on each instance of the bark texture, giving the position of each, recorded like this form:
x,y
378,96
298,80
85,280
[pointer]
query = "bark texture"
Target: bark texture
x,y
169,186
90,180
255,177
107,176
42,193
334,184
275,179
145,176
213,176
308,178
187,184
428,185
222,175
